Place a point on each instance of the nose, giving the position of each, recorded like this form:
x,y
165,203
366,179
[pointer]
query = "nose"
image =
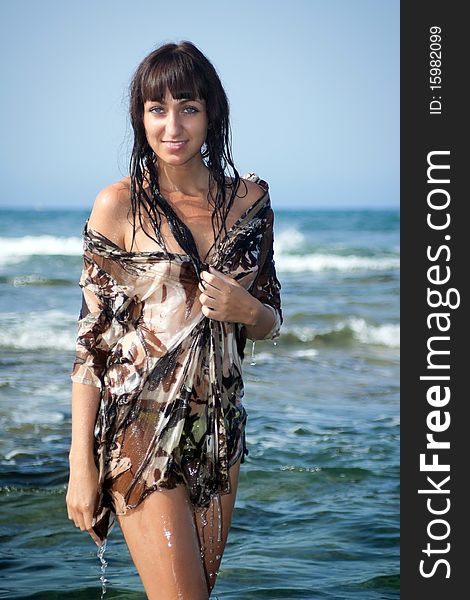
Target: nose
x,y
173,124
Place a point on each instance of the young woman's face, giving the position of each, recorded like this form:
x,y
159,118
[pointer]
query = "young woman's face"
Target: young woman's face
x,y
176,129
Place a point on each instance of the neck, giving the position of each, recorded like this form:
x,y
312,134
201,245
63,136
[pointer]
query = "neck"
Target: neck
x,y
190,179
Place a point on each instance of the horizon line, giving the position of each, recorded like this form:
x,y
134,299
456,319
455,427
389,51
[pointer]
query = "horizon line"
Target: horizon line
x,y
57,207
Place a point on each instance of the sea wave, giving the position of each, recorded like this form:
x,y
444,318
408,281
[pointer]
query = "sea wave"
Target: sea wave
x,y
15,250
387,334
50,329
56,330
35,280
344,331
289,240
293,253
298,263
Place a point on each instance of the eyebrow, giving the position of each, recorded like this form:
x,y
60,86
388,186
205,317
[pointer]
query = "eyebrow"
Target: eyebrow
x,y
180,101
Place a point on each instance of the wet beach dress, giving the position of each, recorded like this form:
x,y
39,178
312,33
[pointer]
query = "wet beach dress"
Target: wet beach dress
x,y
170,378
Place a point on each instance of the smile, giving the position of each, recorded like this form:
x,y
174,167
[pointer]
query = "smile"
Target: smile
x,y
175,144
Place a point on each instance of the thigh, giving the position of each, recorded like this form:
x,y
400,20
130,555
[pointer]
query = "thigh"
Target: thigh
x,y
162,540
213,525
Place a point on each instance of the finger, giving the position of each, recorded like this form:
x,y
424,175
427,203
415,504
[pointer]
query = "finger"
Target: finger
x,y
211,280
208,298
208,312
94,537
216,271
204,288
80,523
220,275
85,518
223,281
208,301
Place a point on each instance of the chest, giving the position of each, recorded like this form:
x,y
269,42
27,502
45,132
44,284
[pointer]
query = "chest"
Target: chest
x,y
198,220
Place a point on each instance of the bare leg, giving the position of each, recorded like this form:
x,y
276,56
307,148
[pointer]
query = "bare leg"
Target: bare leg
x,y
213,534
162,540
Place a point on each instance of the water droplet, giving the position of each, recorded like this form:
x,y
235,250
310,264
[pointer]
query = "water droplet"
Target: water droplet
x,y
167,534
104,564
202,511
211,529
253,353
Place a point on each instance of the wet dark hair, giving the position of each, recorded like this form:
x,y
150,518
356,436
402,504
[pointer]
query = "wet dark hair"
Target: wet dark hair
x,y
186,73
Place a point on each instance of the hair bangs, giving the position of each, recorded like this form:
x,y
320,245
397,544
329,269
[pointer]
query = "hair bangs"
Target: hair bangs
x,y
176,73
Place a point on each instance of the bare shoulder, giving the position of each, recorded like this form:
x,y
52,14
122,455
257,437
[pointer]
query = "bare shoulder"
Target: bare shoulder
x,y
110,211
248,193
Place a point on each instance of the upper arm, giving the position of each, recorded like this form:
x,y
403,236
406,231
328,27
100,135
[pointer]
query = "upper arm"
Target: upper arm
x,y
110,212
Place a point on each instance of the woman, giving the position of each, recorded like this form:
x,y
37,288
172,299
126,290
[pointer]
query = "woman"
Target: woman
x,y
178,272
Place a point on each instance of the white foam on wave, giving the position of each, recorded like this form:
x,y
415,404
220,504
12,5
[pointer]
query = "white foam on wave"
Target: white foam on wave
x,y
50,329
273,356
42,415
307,353
288,240
384,335
387,334
297,263
13,250
290,243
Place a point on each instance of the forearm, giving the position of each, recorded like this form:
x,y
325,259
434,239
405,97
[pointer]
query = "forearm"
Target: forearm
x,y
85,404
261,320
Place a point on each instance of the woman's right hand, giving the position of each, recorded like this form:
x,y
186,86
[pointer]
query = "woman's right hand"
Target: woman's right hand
x,y
82,494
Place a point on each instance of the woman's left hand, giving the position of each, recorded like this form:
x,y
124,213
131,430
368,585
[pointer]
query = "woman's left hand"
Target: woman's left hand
x,y
224,299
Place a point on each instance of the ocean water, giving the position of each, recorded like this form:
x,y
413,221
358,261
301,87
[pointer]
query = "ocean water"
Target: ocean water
x,y
317,510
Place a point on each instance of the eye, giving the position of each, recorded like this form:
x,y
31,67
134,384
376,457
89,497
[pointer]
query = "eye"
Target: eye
x,y
190,110
156,109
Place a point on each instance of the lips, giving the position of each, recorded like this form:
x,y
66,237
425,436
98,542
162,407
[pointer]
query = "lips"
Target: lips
x,y
175,144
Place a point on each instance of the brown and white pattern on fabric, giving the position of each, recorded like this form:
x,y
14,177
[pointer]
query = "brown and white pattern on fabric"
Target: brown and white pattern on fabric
x,y
170,378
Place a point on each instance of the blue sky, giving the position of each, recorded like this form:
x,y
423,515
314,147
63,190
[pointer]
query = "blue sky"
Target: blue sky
x,y
313,88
